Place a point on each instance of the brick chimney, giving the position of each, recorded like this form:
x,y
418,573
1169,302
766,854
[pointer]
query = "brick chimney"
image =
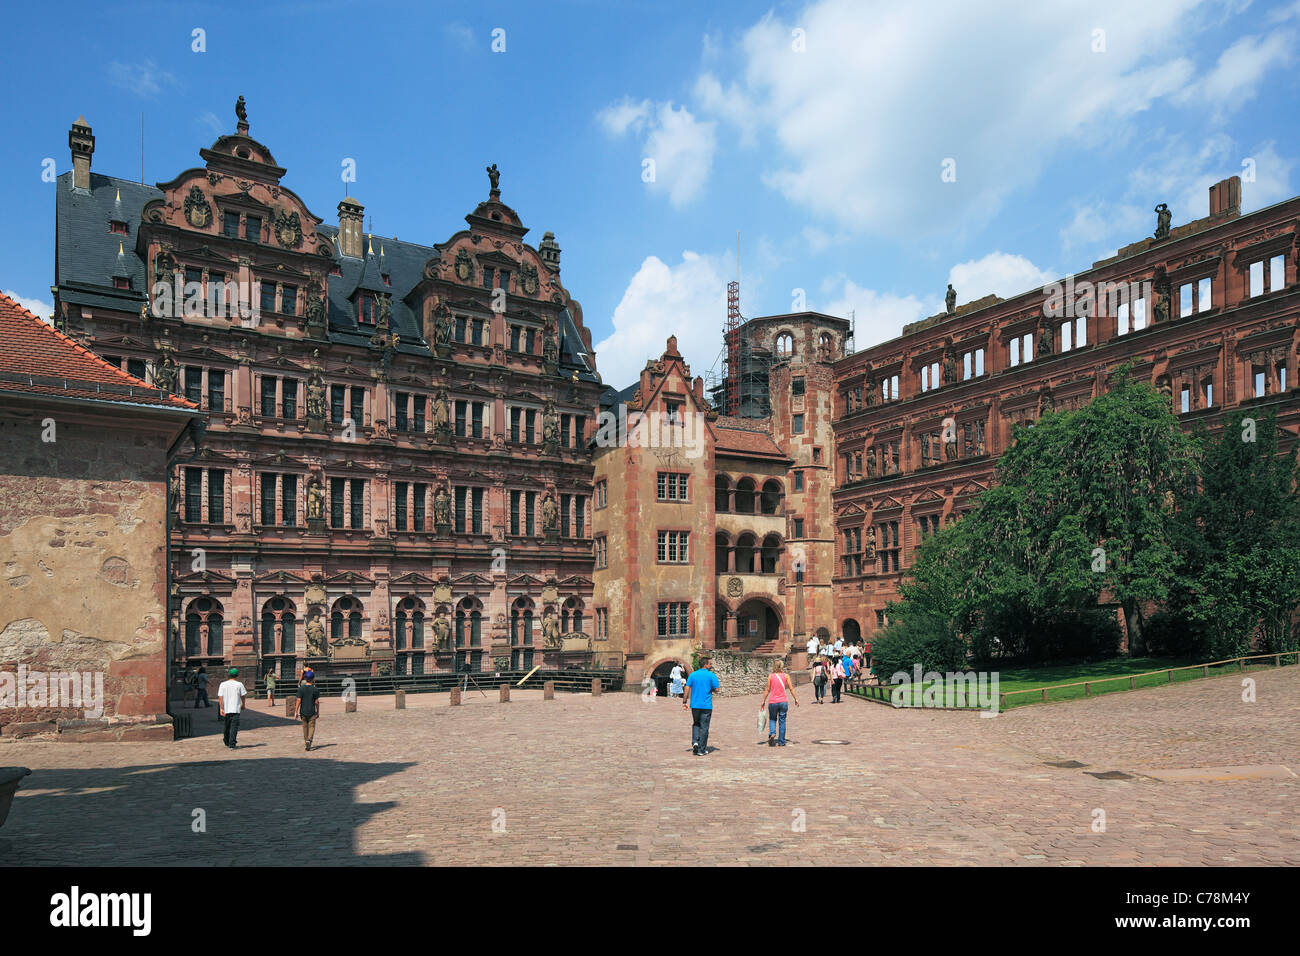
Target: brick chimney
x,y
82,143
350,219
1225,198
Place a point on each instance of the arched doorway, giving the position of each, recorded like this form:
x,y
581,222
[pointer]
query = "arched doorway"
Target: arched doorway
x,y
661,675
852,632
757,623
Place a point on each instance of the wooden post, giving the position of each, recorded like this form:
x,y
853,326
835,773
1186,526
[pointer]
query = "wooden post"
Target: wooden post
x,y
1132,683
399,700
1205,670
1002,701
1171,676
1044,695
505,694
1087,689
595,687
1241,663
1277,660
548,690
350,705
455,697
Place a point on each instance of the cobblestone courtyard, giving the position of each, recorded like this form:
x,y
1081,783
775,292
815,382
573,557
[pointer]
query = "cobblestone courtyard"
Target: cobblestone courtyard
x,y
611,780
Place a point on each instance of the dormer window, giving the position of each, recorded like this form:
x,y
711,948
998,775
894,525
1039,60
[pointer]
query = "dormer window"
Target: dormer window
x,y
365,309
388,280
121,282
118,226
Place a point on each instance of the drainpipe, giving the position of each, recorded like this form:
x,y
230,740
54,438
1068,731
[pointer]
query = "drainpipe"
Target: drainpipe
x,y
194,431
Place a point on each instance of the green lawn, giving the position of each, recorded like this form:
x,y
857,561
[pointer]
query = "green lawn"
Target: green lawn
x,y
1105,677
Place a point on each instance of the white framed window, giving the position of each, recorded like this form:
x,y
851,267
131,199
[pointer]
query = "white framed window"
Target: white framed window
x,y
1276,273
1257,278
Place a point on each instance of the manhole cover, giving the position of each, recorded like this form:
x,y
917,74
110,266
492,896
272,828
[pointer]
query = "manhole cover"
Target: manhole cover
x,y
840,743
763,848
1110,775
1065,764
628,846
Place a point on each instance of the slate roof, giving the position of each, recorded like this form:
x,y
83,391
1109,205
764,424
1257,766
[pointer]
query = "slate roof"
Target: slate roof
x,y
86,260
86,252
36,359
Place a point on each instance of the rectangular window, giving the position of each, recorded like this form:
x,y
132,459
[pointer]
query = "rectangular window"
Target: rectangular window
x,y
579,516
1066,337
462,496
461,326
137,368
1013,355
289,397
673,547
674,619
216,390
1260,377
477,514
268,499
565,438
476,420
601,551
1276,273
477,332
194,495
798,527
338,394
1185,400
967,366
461,408
672,486
253,228
797,386
798,481
268,296
268,396
602,493
230,224
515,498
1203,294
1186,303
1208,393
1256,278
401,401
487,278
417,403
289,500
289,299
1121,319
338,490
418,492
797,427
1139,314
358,405
358,503
514,338
216,496
530,420
399,506
194,384
564,514
516,414
530,513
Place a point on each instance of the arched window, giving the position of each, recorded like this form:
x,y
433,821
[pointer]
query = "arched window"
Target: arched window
x,y
722,494
771,555
745,546
826,342
521,622
346,619
571,616
722,553
469,623
770,501
204,628
784,345
745,496
279,634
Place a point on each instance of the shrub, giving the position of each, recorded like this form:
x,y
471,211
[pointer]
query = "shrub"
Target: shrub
x,y
916,638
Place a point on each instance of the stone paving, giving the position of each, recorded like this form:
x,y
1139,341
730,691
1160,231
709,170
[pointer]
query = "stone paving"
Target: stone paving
x,y
610,780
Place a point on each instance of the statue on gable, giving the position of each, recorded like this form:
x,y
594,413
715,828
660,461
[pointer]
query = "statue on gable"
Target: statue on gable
x,y
241,110
1163,216
494,177
950,299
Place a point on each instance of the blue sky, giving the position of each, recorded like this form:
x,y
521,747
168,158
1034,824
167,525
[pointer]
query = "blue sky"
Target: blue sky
x,y
820,131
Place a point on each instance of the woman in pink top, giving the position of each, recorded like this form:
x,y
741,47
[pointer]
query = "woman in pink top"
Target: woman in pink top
x,y
778,685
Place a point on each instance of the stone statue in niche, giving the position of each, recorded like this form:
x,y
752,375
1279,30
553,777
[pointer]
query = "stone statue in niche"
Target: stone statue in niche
x,y
315,637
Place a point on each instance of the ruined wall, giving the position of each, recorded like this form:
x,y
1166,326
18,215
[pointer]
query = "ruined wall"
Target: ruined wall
x,y
82,588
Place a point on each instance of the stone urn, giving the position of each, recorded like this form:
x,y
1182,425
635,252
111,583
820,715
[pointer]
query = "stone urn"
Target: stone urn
x,y
10,777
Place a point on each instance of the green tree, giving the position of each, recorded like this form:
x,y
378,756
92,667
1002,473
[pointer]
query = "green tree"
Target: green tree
x,y
1239,541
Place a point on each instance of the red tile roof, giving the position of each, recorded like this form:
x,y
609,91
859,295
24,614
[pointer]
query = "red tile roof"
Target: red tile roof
x,y
744,442
36,359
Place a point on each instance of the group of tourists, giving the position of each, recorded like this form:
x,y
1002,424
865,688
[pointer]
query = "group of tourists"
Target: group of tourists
x,y
832,664
230,701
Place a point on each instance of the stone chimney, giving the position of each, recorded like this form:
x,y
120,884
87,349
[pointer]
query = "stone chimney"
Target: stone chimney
x,y
1225,198
350,218
82,143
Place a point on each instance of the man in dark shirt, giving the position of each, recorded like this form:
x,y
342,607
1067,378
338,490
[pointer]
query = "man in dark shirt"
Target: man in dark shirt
x,y
307,707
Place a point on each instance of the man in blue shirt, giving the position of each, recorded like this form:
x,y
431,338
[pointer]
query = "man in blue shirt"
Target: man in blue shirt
x,y
699,700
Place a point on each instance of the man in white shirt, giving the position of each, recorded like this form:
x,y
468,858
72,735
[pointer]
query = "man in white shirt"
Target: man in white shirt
x,y
230,700
812,646
676,680
839,645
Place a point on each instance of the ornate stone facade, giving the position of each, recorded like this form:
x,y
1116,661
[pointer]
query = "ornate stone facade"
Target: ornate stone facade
x,y
1206,311
369,495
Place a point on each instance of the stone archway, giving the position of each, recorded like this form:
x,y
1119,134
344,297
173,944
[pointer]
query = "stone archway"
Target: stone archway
x,y
758,622
851,631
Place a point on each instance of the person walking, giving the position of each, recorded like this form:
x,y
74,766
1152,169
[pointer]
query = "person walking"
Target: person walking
x,y
699,701
812,647
677,681
230,704
779,686
270,688
846,661
819,680
307,707
837,680
201,688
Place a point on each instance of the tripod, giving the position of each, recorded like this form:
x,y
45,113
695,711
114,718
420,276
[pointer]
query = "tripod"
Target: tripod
x,y
469,679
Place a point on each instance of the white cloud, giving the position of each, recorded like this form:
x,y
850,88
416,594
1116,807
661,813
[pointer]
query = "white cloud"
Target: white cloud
x,y
143,79
998,273
211,122
877,316
881,96
688,300
462,36
38,307
1236,77
680,146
